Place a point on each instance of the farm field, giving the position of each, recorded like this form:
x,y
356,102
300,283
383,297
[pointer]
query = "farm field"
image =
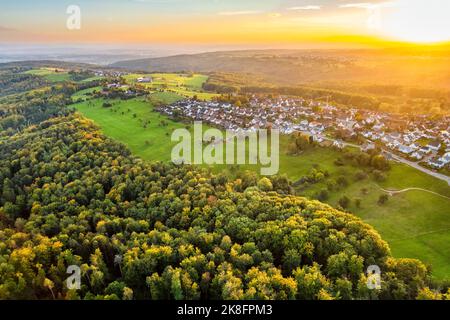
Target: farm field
x,y
185,85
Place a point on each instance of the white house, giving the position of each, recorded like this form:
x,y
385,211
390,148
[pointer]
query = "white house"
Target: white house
x,y
367,146
434,145
437,164
338,144
144,79
405,149
445,158
417,155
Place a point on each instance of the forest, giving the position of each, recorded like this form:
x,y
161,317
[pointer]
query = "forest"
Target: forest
x,y
138,230
150,230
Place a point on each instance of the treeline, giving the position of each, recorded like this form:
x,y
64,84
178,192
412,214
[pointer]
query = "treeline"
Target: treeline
x,y
157,231
245,85
382,97
12,82
336,97
18,112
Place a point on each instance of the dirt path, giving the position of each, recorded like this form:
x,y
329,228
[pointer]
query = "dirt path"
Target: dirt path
x,y
394,192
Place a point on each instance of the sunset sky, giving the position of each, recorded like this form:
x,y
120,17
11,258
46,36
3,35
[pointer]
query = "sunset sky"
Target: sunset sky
x,y
228,21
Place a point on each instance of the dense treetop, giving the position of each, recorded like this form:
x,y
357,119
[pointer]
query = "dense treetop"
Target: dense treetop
x,y
139,230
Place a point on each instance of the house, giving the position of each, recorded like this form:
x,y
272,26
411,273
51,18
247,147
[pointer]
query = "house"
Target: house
x,y
436,163
445,158
425,150
338,144
405,149
417,155
144,79
414,146
434,145
346,124
367,147
378,127
317,138
395,136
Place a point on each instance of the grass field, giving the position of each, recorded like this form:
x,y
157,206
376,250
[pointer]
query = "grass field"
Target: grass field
x,y
150,143
58,75
184,85
416,224
51,74
129,130
84,94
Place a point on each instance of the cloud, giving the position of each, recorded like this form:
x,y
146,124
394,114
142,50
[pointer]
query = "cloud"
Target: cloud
x,y
239,13
309,7
367,5
5,29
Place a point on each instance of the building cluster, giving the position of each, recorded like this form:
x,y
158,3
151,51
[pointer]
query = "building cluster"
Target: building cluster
x,y
414,137
108,73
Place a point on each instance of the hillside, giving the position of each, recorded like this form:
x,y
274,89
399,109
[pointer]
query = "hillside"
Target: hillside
x,y
293,67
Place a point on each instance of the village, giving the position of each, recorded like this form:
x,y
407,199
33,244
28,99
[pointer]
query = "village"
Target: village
x,y
416,139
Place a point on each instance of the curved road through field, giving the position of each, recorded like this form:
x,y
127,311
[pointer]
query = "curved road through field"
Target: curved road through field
x,y
392,192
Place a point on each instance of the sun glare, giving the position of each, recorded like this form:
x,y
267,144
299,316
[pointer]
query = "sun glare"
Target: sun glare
x,y
418,21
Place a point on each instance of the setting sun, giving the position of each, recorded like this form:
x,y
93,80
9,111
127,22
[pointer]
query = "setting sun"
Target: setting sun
x,y
417,21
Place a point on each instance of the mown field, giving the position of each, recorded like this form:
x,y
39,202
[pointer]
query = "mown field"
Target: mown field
x,y
416,224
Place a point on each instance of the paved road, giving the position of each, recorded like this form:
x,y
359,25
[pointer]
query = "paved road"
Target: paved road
x,y
437,175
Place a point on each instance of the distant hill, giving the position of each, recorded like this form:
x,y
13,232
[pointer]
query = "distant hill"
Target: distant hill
x,y
409,67
46,64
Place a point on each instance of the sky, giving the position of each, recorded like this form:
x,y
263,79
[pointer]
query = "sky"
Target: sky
x,y
289,22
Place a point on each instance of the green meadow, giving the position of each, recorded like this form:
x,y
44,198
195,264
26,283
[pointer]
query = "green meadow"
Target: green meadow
x,y
152,143
85,94
51,74
185,85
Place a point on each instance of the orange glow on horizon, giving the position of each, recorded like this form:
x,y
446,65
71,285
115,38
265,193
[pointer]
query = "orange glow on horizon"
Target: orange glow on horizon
x,y
338,26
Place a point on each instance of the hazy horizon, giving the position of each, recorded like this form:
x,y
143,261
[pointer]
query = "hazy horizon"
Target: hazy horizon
x,y
104,54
